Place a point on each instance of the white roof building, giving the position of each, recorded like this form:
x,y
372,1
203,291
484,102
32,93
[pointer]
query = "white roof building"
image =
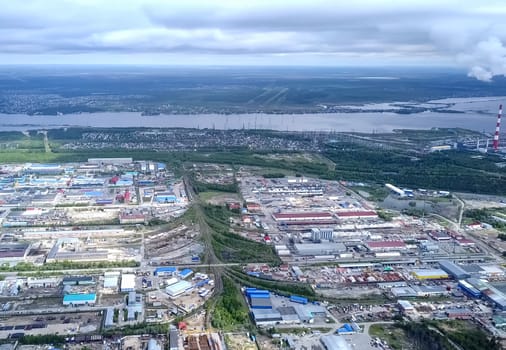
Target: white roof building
x,y
334,342
178,288
127,283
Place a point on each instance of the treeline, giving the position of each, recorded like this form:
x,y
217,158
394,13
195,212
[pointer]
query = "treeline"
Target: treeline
x,y
200,187
229,311
431,335
42,339
273,175
451,171
281,288
139,328
484,215
67,265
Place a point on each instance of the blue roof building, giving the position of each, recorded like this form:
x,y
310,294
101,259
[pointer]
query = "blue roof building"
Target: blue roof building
x,y
165,271
79,299
185,273
165,197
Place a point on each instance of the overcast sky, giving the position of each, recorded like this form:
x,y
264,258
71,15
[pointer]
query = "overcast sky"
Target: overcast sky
x,y
462,33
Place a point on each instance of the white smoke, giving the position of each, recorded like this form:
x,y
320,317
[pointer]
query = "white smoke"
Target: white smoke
x,y
487,59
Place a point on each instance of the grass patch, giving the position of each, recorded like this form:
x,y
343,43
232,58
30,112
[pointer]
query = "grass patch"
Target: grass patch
x,y
395,337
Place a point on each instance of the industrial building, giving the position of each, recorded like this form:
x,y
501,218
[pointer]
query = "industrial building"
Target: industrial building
x,y
469,289
127,283
496,297
110,161
78,280
406,306
47,282
135,302
165,271
429,274
111,279
165,197
43,169
13,252
384,246
178,288
454,270
70,249
319,248
131,218
334,342
322,234
173,339
79,299
109,317
304,216
260,300
396,190
263,317
185,273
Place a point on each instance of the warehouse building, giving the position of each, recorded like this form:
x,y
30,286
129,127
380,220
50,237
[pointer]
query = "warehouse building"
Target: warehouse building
x,y
495,296
454,270
127,283
111,279
176,289
305,216
354,215
173,339
48,282
13,252
288,314
185,273
109,317
429,274
406,307
165,197
319,248
322,234
43,169
127,218
430,291
264,317
334,342
403,292
79,299
469,289
384,246
165,271
110,161
78,280
259,299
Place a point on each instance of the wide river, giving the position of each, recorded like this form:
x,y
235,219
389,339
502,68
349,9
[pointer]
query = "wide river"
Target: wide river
x,y
357,122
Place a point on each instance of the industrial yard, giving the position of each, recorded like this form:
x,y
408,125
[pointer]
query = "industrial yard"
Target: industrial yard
x,y
92,249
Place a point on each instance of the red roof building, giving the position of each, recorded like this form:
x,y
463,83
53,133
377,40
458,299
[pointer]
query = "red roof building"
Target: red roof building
x,y
464,242
253,207
386,245
234,205
306,216
132,218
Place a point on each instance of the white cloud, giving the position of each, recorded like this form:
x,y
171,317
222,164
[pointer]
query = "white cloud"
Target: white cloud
x,y
467,32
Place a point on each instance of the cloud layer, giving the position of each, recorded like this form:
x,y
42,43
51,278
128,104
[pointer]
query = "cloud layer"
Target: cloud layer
x,y
466,33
